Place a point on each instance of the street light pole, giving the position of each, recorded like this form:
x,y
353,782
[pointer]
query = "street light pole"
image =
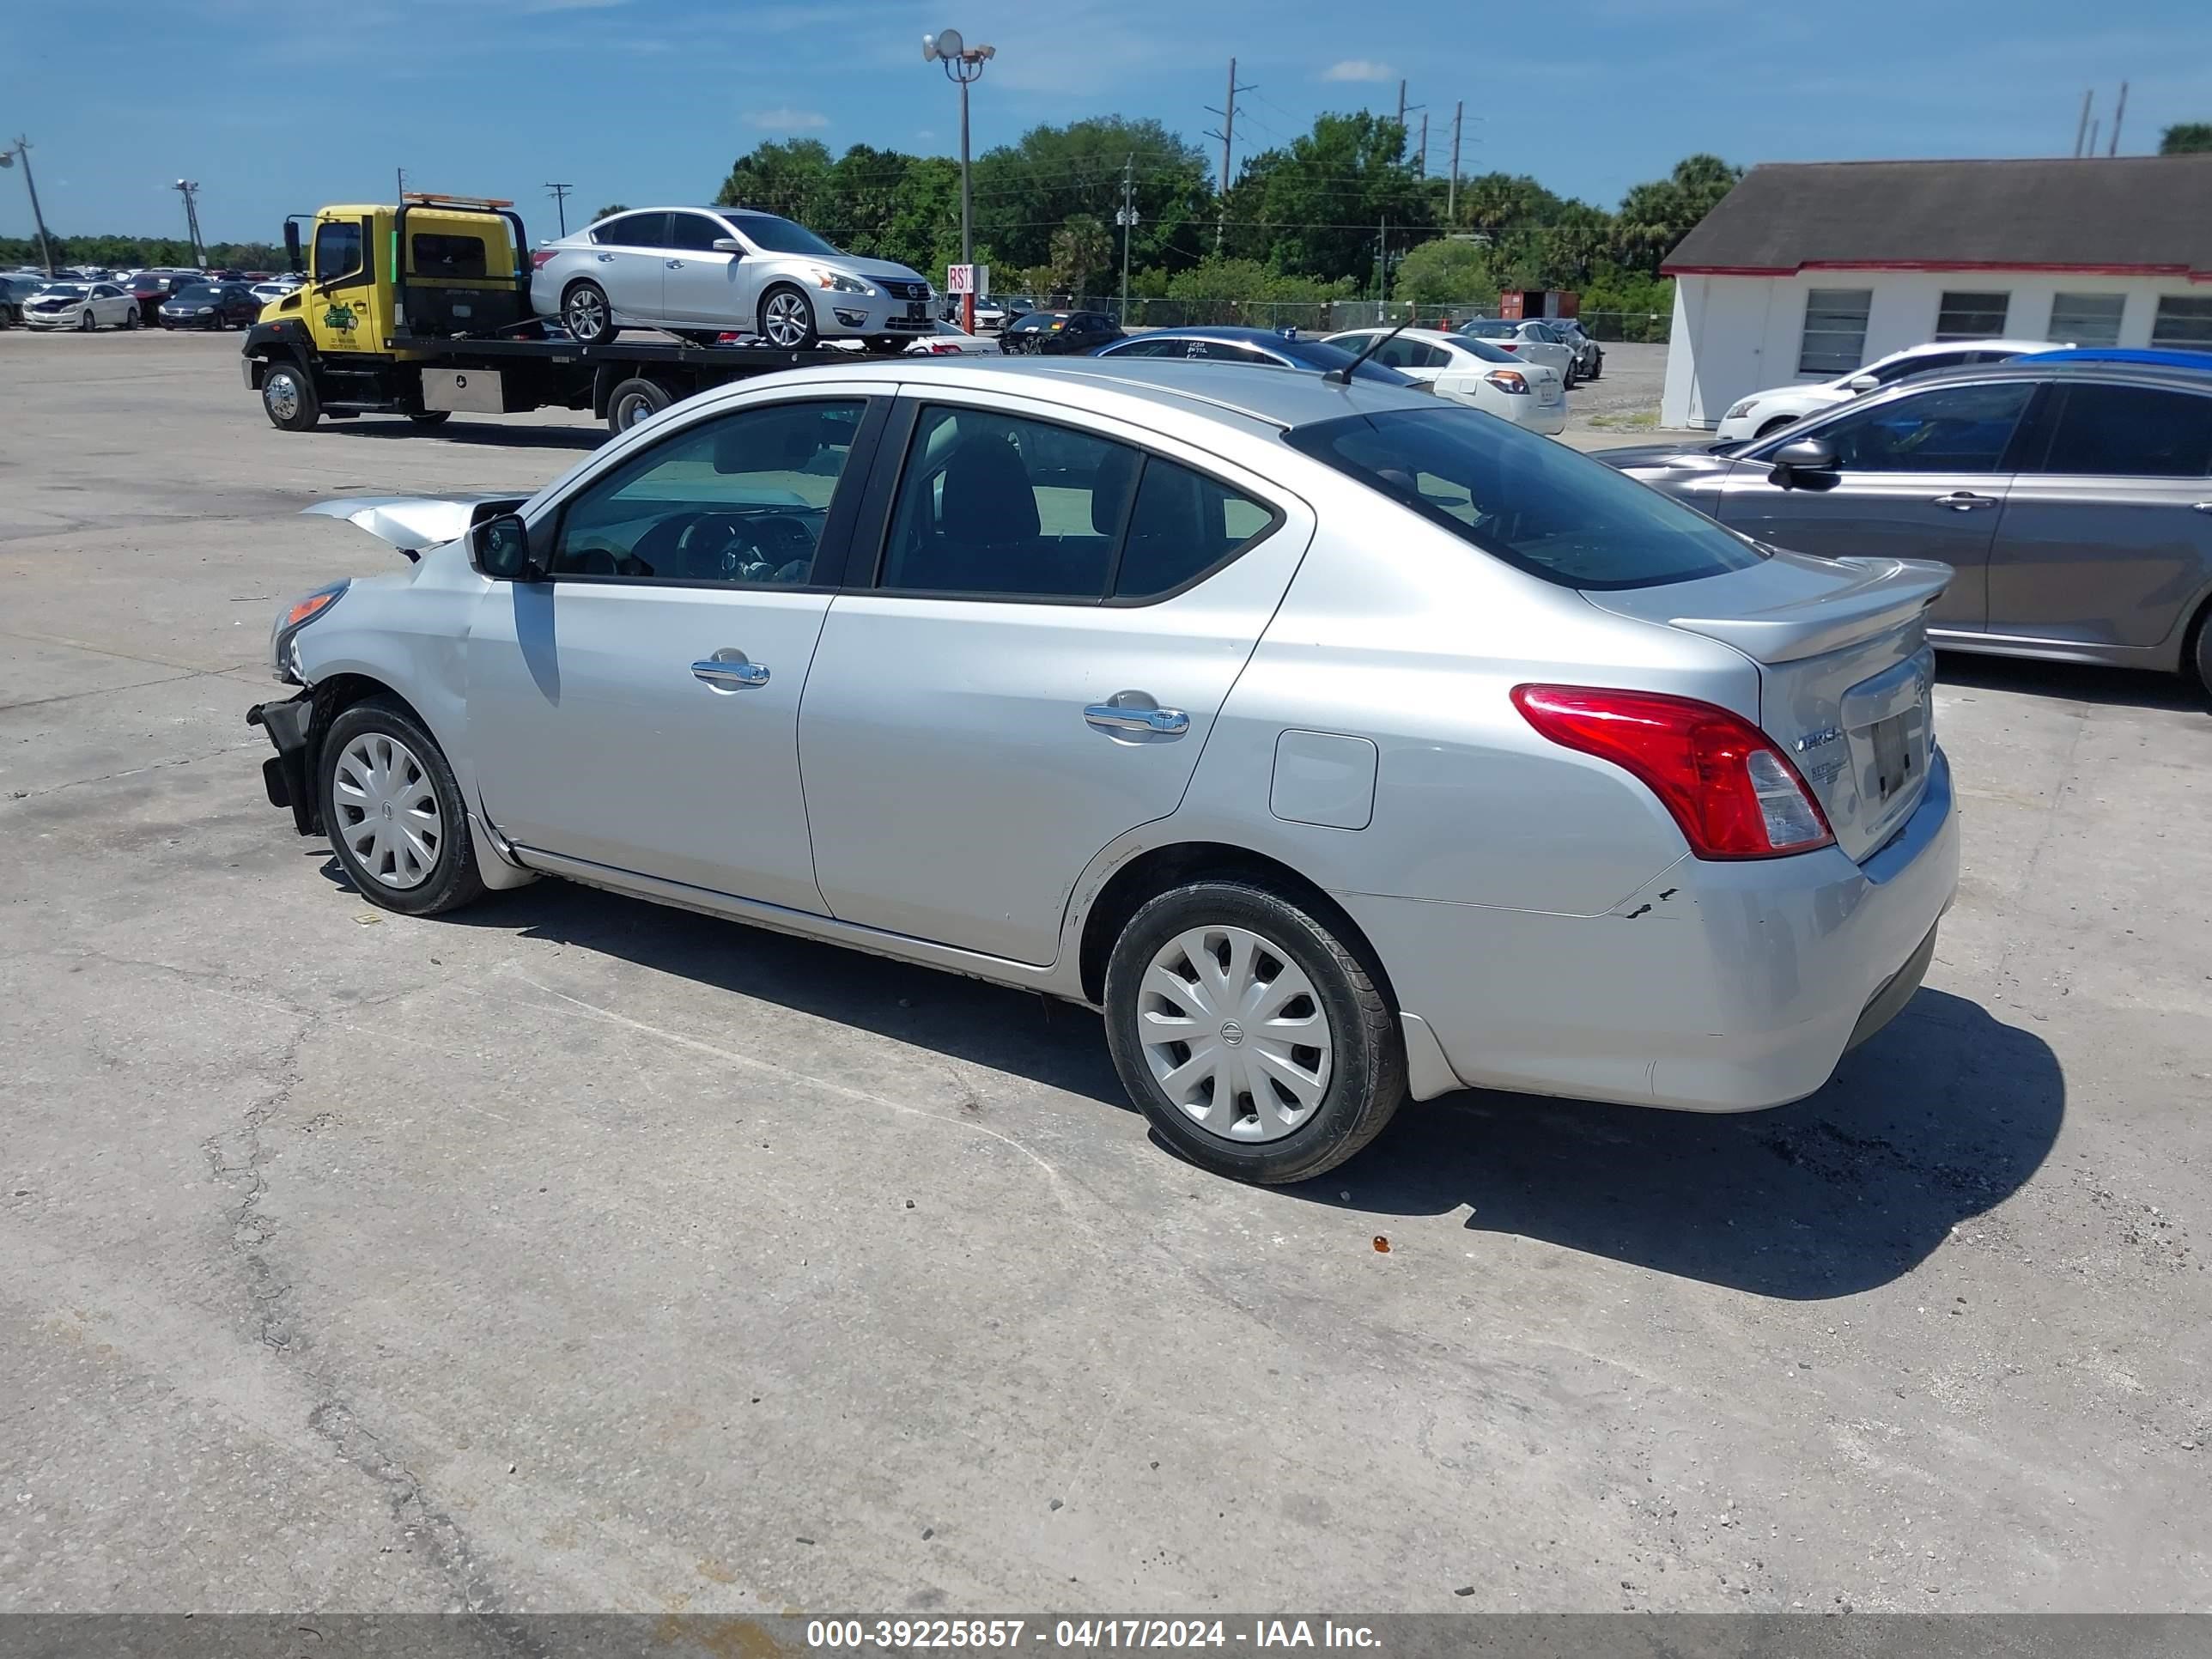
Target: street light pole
x,y
8,157
964,65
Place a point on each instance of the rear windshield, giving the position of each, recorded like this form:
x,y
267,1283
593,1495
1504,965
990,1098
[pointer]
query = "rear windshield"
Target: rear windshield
x,y
1538,505
436,255
203,292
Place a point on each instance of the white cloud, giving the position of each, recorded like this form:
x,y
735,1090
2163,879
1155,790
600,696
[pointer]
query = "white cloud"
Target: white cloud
x,y
786,120
1357,68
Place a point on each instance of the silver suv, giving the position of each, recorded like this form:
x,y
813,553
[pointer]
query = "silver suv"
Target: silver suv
x,y
700,272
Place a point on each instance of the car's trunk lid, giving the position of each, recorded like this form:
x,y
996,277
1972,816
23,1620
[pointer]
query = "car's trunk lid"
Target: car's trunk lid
x,y
1846,671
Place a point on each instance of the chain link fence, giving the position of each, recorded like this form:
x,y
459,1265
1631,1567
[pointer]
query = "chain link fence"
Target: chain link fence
x,y
1331,316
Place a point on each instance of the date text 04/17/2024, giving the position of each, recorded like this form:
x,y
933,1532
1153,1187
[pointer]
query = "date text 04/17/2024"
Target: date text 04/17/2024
x,y
831,1635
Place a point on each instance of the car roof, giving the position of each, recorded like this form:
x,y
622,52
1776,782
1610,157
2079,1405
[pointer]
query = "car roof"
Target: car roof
x,y
1224,331
1933,346
2194,362
2029,368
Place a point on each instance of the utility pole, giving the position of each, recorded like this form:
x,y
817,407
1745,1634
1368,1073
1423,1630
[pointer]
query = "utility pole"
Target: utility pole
x,y
1401,106
1228,137
1451,191
1382,265
189,190
8,158
2081,127
399,178
2094,126
560,195
1127,218
1422,168
2120,113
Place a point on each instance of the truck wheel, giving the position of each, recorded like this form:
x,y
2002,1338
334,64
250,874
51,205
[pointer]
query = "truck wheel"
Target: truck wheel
x,y
787,318
429,417
633,401
587,315
288,398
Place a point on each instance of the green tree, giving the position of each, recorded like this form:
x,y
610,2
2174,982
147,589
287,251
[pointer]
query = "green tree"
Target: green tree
x,y
1080,250
792,177
1656,215
1318,207
1446,272
1026,192
2186,138
609,210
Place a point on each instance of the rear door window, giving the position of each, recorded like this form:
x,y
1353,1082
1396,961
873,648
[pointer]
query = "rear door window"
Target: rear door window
x,y
1183,526
2131,432
1534,504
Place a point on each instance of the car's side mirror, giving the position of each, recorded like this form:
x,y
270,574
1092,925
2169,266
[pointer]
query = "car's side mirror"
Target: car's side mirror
x,y
500,549
1803,457
730,244
292,256
1862,383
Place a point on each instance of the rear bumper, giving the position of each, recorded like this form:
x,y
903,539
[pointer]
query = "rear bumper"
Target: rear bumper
x,y
1717,987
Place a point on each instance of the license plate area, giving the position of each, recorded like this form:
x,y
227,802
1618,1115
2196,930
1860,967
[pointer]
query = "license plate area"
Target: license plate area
x,y
916,310
1893,768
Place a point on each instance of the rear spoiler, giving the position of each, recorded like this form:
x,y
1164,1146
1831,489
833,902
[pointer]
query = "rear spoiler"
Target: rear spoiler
x,y
413,523
1886,594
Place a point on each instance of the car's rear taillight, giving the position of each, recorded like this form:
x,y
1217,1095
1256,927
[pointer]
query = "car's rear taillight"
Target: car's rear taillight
x,y
1509,345
538,257
1508,379
1733,794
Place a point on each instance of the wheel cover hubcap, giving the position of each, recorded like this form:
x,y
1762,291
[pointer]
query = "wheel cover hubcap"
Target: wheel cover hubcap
x,y
787,320
387,812
283,395
1234,1034
585,314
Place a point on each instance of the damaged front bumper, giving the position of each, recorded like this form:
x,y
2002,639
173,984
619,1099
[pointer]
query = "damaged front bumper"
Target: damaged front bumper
x,y
289,722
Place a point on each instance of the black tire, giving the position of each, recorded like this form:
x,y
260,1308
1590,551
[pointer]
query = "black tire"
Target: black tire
x,y
2202,656
288,395
87,323
634,400
1597,368
1774,426
775,300
587,315
429,418
1570,380
130,318
1367,1062
452,879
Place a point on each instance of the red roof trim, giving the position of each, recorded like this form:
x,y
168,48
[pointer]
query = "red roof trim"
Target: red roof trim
x,y
1934,266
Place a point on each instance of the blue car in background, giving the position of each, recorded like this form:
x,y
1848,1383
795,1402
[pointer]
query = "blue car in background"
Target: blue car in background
x,y
2150,357
1266,348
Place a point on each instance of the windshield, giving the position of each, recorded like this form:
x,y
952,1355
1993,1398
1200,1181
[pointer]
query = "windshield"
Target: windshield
x,y
1476,346
776,235
201,293
1486,329
1535,504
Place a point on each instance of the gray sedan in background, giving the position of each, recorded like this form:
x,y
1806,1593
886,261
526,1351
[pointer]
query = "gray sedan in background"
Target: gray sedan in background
x,y
1336,742
697,272
2074,500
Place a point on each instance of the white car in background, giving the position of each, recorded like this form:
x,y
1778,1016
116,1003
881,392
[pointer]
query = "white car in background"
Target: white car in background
x,y
1474,371
1528,339
1770,410
84,306
951,340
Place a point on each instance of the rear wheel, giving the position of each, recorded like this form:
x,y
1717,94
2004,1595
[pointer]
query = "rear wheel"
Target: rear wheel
x,y
636,400
394,812
430,418
2203,655
787,318
1252,1036
130,317
288,398
587,315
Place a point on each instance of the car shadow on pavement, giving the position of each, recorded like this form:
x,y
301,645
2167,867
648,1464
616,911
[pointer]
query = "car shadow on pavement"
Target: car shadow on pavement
x,y
1937,1119
2123,688
481,432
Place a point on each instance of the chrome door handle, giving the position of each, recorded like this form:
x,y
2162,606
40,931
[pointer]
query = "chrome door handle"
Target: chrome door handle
x,y
2202,506
1151,722
606,259
1962,500
734,675
676,265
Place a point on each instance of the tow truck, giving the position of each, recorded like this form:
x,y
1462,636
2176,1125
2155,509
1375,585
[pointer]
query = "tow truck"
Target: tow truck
x,y
421,309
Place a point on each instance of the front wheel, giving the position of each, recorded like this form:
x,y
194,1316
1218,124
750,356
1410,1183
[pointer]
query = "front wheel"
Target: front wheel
x,y
2203,655
1254,1039
130,317
288,398
1775,426
587,315
87,323
394,813
787,318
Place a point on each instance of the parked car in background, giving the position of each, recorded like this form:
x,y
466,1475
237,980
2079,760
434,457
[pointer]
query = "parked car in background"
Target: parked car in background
x,y
1265,347
995,315
697,271
85,306
14,290
1589,355
1326,738
948,340
1053,333
1469,371
153,289
211,305
2073,499
1769,411
1530,341
266,292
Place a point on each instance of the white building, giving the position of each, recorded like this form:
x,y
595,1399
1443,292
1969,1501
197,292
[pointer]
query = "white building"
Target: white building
x,y
1805,272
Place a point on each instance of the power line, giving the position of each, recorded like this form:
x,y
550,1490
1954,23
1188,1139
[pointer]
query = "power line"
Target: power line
x,y
560,195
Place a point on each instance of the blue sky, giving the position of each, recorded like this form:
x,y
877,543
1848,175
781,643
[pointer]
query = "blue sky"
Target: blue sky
x,y
277,107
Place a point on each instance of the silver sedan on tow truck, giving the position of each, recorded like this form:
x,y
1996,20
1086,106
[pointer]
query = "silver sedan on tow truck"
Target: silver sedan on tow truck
x,y
1337,745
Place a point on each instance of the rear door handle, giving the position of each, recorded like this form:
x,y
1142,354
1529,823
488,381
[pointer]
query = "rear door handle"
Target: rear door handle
x,y
676,265
606,259
1962,500
730,675
1147,722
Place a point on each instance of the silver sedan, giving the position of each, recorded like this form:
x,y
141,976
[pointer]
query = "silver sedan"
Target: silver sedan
x,y
1337,745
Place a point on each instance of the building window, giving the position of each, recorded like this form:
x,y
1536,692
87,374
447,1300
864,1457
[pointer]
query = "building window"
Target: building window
x,y
2087,319
1835,330
2183,325
1972,316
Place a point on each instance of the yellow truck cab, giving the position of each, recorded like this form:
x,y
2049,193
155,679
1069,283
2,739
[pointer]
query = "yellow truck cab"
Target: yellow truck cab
x,y
422,308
